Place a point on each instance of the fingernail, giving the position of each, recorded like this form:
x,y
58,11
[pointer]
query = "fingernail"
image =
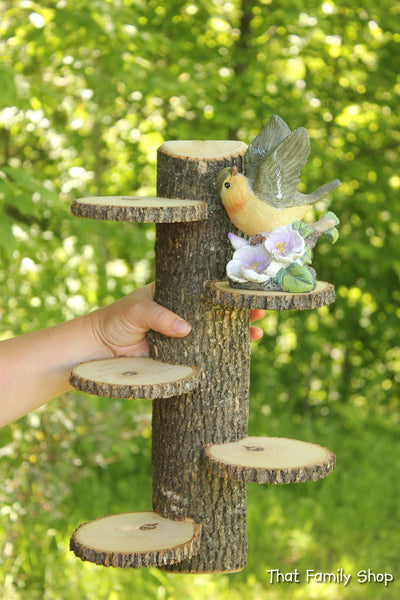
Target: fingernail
x,y
181,327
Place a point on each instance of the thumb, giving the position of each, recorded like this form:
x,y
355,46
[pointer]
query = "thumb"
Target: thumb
x,y
151,315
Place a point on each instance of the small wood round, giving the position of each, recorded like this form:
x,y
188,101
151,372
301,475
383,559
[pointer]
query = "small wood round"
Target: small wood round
x,y
208,149
133,540
139,210
129,377
221,293
269,460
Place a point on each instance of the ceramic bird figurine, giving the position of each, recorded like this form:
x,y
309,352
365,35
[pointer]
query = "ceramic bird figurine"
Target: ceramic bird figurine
x,y
265,204
266,197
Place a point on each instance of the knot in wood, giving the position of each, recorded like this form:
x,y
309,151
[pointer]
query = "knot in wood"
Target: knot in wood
x,y
202,166
147,526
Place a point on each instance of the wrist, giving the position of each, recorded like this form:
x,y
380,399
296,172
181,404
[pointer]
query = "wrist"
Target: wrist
x,y
94,333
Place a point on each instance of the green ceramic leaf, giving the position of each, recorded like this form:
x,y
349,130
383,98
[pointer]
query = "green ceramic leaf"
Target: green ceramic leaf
x,y
332,235
303,228
295,278
307,256
331,216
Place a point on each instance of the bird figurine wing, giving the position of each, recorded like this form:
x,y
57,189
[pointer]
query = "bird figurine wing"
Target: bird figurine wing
x,y
266,141
278,173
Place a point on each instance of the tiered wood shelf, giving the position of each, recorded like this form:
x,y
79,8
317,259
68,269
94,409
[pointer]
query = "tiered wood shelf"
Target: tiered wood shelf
x,y
221,293
202,458
133,540
269,460
139,210
128,377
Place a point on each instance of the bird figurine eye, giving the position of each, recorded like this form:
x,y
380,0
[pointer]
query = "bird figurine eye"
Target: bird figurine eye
x,y
227,184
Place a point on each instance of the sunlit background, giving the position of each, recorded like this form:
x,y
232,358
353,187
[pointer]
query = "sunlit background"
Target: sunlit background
x,y
88,91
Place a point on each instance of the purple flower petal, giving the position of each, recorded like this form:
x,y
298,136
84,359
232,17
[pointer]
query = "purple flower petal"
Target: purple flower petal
x,y
285,245
234,271
255,258
252,275
236,241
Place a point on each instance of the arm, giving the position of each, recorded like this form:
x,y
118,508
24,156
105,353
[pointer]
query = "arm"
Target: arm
x,y
35,367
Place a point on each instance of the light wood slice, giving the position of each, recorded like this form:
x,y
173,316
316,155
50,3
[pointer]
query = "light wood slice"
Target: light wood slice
x,y
269,460
207,149
129,377
139,210
137,539
221,293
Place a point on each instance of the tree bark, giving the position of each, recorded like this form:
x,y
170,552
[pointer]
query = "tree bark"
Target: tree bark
x,y
188,256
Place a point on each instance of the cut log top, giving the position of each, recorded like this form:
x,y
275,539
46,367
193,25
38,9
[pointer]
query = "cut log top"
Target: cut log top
x,y
208,149
128,377
138,539
139,210
221,293
269,460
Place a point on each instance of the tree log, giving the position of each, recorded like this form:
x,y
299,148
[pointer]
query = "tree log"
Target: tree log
x,y
188,255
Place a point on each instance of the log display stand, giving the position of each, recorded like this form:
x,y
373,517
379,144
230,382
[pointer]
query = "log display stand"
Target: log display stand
x,y
202,457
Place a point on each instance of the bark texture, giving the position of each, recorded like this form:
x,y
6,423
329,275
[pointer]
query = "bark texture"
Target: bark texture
x,y
138,209
188,256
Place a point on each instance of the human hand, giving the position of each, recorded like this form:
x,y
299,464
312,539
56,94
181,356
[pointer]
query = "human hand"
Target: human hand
x,y
121,327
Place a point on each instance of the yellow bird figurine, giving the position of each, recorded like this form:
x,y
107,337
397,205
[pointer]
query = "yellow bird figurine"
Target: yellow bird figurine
x,y
267,197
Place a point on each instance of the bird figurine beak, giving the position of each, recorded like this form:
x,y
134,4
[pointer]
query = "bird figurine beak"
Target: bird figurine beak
x,y
233,171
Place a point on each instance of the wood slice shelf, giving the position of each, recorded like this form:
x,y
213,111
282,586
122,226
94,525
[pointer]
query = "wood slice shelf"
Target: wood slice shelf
x,y
269,460
137,539
130,377
140,210
221,293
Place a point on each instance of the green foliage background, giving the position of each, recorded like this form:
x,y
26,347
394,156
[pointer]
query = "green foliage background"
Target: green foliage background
x,y
88,91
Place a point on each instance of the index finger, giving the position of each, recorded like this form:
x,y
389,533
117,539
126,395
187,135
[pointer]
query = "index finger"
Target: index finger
x,y
257,314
